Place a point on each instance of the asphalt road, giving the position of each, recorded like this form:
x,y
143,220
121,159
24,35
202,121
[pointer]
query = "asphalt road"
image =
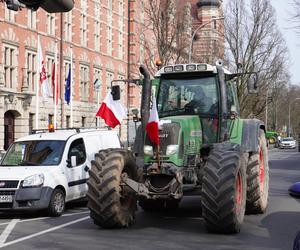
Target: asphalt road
x,y
182,229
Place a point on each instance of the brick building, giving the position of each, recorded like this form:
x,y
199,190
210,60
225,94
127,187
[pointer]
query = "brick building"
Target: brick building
x,y
105,44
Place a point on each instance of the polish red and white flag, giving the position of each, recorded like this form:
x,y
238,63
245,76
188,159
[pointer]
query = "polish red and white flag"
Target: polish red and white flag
x,y
153,124
112,111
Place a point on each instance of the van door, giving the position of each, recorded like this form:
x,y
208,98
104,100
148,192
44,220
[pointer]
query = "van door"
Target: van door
x,y
77,175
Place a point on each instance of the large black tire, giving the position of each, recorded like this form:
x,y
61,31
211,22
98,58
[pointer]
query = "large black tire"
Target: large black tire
x,y
57,203
258,179
110,205
224,191
158,205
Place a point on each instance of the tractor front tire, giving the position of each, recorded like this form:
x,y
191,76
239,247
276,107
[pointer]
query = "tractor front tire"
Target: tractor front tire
x,y
224,191
109,203
258,179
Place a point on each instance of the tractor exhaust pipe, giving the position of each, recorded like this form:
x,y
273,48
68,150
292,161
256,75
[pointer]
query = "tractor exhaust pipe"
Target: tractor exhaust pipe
x,y
146,95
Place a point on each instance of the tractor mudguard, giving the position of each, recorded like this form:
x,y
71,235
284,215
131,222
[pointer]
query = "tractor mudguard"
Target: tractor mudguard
x,y
250,136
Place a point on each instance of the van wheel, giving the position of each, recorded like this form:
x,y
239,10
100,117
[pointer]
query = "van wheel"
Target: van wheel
x,y
57,203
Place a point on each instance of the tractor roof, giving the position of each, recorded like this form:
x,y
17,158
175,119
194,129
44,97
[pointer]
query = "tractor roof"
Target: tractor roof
x,y
188,68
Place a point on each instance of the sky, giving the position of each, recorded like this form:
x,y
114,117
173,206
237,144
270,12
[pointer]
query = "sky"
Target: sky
x,y
283,11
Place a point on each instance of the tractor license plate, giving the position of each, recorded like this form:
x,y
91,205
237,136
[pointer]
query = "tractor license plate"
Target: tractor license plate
x,y
6,198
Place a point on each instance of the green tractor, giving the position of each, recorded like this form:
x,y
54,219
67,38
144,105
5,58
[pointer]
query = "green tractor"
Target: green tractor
x,y
205,149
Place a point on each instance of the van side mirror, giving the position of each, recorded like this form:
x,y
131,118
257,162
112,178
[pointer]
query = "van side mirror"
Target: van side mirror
x,y
73,161
115,91
252,84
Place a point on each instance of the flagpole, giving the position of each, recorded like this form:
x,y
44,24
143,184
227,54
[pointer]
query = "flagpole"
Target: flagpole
x,y
55,86
71,87
98,99
37,86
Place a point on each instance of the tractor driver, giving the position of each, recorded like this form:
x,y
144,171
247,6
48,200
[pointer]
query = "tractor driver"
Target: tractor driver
x,y
200,102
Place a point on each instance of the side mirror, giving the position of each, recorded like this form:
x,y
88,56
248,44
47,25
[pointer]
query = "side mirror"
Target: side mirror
x,y
73,161
115,91
252,84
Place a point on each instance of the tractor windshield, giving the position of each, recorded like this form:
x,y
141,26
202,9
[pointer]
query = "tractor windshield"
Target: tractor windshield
x,y
185,96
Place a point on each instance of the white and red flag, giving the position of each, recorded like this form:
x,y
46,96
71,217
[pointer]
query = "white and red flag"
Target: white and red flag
x,y
112,111
42,72
153,123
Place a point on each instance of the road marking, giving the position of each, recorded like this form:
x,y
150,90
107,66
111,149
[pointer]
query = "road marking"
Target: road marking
x,y
43,218
43,232
7,231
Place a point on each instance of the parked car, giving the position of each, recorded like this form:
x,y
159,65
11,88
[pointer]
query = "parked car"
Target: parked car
x,y
46,170
287,142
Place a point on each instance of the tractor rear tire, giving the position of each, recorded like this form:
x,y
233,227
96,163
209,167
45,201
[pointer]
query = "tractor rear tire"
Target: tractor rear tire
x,y
158,205
224,191
109,203
258,179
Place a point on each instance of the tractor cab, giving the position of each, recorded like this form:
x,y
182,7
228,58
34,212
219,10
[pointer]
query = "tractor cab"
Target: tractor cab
x,y
193,111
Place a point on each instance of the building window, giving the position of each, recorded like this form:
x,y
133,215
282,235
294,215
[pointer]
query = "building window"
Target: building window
x,y
50,119
98,78
84,82
83,119
97,35
30,122
67,121
51,24
67,66
31,19
109,78
109,28
31,63
10,66
68,26
49,70
83,29
9,15
98,75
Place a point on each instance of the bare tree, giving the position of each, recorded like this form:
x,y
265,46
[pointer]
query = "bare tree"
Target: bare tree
x,y
254,41
295,15
167,30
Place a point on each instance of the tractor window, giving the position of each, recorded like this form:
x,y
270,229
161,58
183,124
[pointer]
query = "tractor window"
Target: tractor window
x,y
188,96
230,98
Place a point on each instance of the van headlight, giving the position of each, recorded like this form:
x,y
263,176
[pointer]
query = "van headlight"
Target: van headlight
x,y
172,149
34,181
148,150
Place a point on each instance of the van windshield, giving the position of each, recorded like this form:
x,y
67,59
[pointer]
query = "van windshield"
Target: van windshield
x,y
34,153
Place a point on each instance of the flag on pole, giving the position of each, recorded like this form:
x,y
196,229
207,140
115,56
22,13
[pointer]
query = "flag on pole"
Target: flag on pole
x,y
42,72
54,87
68,87
153,123
112,111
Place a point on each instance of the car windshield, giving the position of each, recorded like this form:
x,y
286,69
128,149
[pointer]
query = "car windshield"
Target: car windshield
x,y
287,139
34,153
182,96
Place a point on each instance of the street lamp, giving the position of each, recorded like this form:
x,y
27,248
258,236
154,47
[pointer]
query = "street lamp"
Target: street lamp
x,y
195,32
290,104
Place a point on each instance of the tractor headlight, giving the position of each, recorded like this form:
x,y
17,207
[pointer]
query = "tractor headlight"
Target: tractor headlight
x,y
34,181
148,150
172,149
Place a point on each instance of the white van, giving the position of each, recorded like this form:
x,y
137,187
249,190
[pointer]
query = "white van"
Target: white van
x,y
45,170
